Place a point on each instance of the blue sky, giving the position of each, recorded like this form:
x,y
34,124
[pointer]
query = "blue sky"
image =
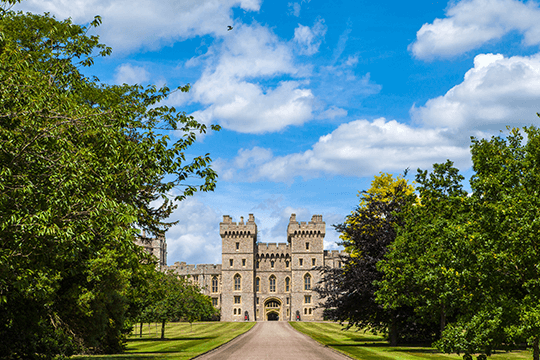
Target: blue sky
x,y
317,97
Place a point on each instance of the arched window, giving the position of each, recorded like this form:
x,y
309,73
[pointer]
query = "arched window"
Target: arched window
x,y
272,287
214,284
307,282
257,284
237,282
287,284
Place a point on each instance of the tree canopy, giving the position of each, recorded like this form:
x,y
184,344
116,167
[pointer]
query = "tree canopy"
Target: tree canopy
x,y
81,163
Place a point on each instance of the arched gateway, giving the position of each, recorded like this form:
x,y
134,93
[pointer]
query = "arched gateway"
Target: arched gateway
x,y
272,309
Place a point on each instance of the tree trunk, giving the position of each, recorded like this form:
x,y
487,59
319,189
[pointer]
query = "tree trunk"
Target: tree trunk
x,y
536,349
140,330
163,329
443,318
393,333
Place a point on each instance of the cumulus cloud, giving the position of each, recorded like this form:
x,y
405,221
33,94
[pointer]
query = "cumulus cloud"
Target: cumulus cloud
x,y
309,39
230,85
496,92
133,24
130,74
195,239
294,8
471,23
361,148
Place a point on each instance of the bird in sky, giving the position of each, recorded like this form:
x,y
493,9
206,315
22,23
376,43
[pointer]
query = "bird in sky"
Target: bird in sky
x,y
229,28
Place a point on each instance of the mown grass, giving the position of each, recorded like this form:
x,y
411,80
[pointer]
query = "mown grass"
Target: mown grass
x,y
366,346
181,341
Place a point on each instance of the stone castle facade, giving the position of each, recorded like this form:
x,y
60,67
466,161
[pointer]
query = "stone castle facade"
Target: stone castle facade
x,y
265,281
156,246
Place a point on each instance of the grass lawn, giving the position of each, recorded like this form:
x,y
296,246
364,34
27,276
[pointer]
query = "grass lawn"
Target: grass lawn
x,y
180,341
366,346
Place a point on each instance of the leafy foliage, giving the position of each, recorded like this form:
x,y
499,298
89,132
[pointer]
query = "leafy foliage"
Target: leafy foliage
x,y
80,165
349,292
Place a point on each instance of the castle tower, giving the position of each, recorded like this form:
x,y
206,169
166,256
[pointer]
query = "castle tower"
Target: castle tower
x,y
307,252
238,260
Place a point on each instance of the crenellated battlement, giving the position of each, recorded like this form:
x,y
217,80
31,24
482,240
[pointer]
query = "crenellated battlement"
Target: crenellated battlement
x,y
316,227
273,250
228,228
181,268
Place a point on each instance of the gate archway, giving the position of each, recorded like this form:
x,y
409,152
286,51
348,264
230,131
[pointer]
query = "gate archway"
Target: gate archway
x,y
272,309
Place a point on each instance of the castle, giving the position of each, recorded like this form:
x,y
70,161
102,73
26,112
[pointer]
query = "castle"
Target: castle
x,y
265,281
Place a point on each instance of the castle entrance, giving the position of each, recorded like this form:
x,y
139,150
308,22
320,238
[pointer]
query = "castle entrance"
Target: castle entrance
x,y
272,309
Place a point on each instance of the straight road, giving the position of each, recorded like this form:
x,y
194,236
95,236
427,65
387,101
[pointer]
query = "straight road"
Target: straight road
x,y
275,340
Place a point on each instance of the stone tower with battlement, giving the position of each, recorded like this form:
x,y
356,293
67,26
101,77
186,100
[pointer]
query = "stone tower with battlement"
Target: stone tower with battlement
x,y
265,281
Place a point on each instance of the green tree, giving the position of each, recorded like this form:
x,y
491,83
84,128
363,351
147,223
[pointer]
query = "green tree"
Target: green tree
x,y
80,164
502,234
349,292
423,268
177,299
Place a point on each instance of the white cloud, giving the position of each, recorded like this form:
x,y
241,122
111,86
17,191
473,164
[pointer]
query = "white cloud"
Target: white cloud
x,y
294,8
130,74
133,24
497,92
195,239
229,87
332,113
361,148
309,39
471,23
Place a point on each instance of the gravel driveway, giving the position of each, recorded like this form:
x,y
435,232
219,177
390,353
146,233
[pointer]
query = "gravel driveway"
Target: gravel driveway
x,y
275,340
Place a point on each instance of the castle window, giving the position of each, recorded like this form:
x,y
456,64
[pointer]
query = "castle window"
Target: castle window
x,y
287,284
339,264
287,301
243,262
305,311
237,300
287,263
272,264
234,311
307,246
309,311
237,246
288,312
257,284
307,299
195,277
214,302
214,284
307,282
300,262
257,263
257,300
230,262
313,262
237,282
272,283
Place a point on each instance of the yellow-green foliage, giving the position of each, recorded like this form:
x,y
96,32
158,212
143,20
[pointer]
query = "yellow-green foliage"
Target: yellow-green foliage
x,y
384,186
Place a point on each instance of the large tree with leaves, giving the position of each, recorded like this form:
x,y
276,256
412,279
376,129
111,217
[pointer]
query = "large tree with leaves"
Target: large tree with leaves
x,y
502,234
423,267
349,292
80,165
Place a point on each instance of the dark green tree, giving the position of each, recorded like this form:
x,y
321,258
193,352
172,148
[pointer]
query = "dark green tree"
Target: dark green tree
x,y
349,293
80,165
502,234
424,267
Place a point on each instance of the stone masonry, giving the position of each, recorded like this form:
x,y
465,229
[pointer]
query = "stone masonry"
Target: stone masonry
x,y
265,281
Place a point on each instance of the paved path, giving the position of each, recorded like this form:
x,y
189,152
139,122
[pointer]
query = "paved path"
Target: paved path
x,y
276,340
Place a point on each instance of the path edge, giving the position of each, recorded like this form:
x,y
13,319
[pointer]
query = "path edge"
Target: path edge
x,y
320,343
225,343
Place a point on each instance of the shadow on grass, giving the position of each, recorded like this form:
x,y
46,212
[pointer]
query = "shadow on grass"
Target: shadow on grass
x,y
171,339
